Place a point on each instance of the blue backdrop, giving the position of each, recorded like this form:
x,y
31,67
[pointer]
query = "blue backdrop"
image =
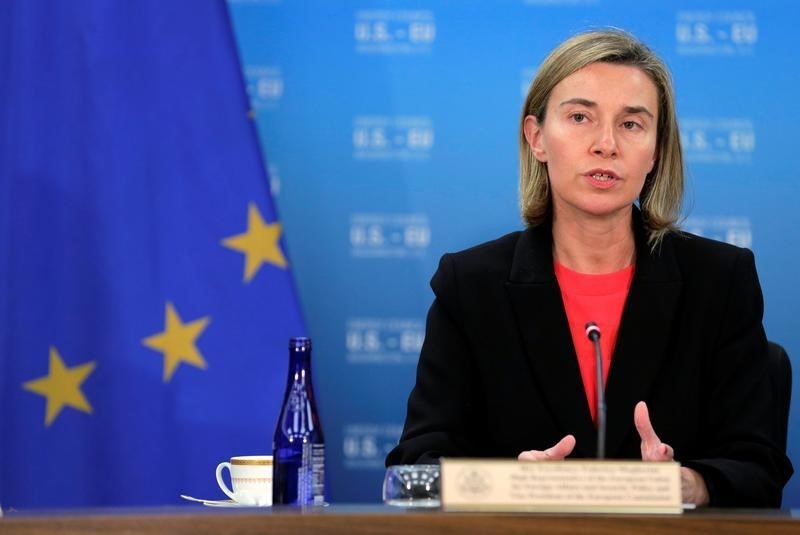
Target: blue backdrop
x,y
390,128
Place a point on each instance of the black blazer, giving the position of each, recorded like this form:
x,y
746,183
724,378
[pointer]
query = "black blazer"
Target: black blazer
x,y
498,372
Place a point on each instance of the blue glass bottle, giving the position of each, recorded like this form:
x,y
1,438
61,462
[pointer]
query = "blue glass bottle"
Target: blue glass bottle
x,y
298,446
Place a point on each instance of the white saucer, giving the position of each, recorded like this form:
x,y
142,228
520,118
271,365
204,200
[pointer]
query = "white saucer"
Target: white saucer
x,y
228,503
218,503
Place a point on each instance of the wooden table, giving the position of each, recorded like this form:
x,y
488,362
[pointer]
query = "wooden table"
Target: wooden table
x,y
380,520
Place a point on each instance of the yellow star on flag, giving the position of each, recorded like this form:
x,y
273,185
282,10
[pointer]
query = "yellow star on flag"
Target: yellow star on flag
x,y
259,243
62,386
177,341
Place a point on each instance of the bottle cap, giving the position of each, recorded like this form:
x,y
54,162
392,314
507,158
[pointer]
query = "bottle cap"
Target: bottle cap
x,y
300,342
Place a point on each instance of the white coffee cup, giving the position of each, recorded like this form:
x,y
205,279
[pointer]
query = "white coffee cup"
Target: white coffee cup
x,y
251,478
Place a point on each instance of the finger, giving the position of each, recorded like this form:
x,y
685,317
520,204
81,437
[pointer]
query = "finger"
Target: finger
x,y
563,448
558,452
652,447
661,452
641,419
532,455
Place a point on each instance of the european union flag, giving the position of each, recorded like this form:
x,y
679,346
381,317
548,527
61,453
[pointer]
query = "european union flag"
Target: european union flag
x,y
146,298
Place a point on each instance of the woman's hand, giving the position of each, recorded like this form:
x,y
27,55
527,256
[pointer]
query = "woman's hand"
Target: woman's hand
x,y
652,447
557,453
693,486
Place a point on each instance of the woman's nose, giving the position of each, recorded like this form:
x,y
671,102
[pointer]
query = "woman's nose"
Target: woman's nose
x,y
605,145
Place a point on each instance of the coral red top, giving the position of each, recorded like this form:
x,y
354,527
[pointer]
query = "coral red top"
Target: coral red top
x,y
597,298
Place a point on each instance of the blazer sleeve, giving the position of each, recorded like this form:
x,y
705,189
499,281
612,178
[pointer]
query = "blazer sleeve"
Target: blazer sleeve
x,y
442,415
743,465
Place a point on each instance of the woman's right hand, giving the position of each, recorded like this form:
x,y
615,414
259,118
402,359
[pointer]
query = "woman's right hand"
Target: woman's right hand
x,y
557,453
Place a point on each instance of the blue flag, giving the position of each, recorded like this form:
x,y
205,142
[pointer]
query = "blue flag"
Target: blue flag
x,y
146,298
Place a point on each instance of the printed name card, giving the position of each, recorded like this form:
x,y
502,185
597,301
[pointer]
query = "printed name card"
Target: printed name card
x,y
578,486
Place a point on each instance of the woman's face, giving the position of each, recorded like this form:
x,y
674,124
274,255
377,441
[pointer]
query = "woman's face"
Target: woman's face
x,y
598,139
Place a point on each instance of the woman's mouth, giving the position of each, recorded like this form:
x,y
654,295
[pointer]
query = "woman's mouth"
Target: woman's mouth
x,y
602,179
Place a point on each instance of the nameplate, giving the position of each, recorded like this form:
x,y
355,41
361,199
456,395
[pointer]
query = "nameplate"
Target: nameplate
x,y
572,486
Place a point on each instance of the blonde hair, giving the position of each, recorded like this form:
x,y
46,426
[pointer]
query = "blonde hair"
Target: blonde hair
x,y
662,194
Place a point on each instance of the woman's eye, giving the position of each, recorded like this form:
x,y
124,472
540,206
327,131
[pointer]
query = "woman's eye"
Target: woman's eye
x,y
578,117
629,125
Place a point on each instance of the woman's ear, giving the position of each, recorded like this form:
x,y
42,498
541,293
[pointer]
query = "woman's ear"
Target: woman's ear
x,y
533,135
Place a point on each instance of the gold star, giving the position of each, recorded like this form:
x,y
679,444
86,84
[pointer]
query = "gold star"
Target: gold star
x,y
259,243
62,386
177,341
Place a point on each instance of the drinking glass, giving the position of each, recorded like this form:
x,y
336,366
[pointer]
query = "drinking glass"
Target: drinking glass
x,y
412,485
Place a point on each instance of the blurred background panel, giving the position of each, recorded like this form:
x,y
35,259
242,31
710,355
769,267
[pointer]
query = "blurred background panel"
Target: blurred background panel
x,y
390,130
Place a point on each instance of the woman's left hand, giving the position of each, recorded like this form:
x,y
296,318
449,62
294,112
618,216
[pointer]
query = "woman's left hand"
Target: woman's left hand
x,y
693,486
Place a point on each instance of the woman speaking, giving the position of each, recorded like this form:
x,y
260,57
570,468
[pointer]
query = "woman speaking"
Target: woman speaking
x,y
507,370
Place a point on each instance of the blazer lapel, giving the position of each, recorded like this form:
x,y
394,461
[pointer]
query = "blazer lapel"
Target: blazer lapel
x,y
643,335
536,300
